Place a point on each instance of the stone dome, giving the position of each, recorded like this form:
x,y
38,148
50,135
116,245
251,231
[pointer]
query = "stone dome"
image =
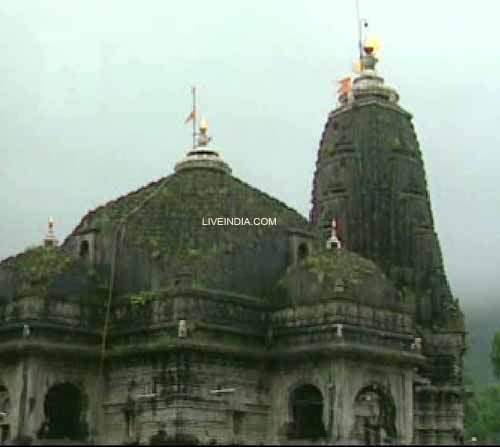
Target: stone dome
x,y
342,275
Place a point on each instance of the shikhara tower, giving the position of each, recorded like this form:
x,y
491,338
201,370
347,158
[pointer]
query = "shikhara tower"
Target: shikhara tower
x,y
340,330
370,177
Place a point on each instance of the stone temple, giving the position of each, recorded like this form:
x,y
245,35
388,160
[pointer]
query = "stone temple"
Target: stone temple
x,y
149,325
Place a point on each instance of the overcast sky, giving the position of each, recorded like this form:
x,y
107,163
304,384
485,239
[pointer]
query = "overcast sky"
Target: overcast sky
x,y
93,96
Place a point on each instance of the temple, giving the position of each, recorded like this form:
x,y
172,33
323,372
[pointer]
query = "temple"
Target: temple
x,y
146,327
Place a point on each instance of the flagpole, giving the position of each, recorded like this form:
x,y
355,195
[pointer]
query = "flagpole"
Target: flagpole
x,y
193,90
360,37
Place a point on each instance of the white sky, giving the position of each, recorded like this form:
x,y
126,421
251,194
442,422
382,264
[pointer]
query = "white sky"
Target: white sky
x,y
93,96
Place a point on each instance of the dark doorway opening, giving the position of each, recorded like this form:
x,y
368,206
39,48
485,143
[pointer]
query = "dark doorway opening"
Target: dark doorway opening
x,y
375,416
307,412
4,433
302,252
84,249
63,411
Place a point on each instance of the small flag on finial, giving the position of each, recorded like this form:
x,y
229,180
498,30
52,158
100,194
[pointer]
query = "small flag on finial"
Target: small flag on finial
x,y
345,86
190,117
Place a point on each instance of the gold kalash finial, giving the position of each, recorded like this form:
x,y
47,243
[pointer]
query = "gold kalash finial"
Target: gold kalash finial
x,y
202,155
203,138
368,46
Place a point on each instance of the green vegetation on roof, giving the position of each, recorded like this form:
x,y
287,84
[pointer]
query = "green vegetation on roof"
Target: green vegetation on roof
x,y
36,267
166,222
343,264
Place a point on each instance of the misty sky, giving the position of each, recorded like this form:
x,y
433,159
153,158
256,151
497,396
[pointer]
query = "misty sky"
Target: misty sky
x,y
93,97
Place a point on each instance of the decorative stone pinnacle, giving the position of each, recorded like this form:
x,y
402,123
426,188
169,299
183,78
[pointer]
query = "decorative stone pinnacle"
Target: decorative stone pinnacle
x,y
333,238
50,240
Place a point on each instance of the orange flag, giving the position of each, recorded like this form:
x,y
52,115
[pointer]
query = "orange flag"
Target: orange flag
x,y
345,86
190,117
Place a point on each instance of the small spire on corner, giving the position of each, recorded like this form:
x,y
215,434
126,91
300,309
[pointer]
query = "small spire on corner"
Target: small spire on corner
x,y
50,239
334,240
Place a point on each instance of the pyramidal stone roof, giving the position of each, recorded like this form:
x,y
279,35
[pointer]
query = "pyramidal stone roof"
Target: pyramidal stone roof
x,y
173,224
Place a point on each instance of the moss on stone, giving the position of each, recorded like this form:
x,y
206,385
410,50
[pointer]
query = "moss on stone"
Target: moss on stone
x,y
166,222
37,267
343,264
343,274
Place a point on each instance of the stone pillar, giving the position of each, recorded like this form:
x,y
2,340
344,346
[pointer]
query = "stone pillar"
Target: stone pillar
x,y
343,409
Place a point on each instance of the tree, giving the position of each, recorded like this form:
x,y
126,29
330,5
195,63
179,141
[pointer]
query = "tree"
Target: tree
x,y
495,354
482,412
482,409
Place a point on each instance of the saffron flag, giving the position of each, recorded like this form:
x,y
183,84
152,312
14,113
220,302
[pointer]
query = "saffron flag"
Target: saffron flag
x,y
190,117
345,86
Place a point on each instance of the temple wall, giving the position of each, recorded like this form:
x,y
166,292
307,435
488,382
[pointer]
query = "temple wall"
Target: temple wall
x,y
30,379
340,381
176,395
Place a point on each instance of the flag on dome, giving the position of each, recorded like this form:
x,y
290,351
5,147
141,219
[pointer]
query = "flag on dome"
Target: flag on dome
x,y
345,86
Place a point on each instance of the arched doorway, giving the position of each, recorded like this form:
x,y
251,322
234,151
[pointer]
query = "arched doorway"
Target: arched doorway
x,y
63,413
307,413
375,416
5,409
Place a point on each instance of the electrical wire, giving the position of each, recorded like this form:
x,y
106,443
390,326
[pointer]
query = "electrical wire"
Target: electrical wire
x,y
112,275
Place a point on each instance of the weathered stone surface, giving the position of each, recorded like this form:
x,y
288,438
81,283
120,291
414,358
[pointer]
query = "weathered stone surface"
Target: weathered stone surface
x,y
170,234
370,176
244,334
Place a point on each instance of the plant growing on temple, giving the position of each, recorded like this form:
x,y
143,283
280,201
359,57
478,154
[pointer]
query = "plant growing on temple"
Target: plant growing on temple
x,y
141,298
